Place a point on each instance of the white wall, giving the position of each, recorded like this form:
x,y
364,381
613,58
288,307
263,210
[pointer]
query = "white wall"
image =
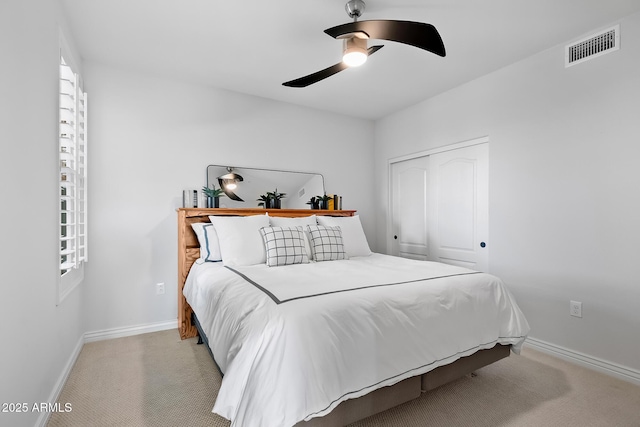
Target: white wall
x,y
151,137
38,337
564,187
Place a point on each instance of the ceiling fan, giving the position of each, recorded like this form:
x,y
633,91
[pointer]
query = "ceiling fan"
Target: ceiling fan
x,y
356,33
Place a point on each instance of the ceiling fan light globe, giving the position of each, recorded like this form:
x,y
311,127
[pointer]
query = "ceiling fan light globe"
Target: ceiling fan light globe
x,y
354,57
354,51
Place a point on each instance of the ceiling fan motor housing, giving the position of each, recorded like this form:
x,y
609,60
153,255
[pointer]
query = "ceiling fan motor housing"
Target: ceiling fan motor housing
x,y
352,44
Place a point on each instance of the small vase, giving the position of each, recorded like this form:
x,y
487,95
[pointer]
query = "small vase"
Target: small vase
x,y
213,202
275,203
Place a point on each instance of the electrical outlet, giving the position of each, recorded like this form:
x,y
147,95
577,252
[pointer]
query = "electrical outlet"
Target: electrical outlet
x,y
159,288
575,308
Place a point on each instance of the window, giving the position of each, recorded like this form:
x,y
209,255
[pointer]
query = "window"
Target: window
x,y
72,157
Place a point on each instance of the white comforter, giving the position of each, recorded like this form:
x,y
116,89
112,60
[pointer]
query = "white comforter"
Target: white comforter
x,y
295,341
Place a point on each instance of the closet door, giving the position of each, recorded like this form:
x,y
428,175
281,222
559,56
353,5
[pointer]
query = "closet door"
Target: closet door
x,y
409,189
458,207
439,207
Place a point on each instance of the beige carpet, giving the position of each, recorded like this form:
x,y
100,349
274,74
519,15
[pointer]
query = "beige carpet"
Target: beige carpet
x,y
158,380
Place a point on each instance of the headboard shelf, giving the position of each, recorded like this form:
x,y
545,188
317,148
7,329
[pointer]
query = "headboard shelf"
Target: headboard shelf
x,y
290,213
189,249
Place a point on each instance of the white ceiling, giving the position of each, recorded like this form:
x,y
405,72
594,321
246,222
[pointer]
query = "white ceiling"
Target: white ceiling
x,y
253,46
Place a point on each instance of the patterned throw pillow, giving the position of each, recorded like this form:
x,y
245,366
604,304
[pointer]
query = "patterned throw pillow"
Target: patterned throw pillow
x,y
284,245
326,243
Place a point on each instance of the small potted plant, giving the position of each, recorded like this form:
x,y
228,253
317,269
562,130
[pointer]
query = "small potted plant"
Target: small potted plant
x,y
264,200
272,199
213,196
314,202
323,201
276,198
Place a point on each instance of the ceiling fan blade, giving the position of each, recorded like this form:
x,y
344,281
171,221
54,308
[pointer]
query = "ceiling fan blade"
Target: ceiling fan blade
x,y
317,76
374,49
327,72
418,34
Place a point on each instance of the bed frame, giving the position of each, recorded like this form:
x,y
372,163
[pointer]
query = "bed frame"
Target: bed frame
x,y
348,411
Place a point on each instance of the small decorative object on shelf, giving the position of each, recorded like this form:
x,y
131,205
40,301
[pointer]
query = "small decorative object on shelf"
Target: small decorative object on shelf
x,y
213,196
323,201
334,203
264,200
190,198
337,202
314,202
271,200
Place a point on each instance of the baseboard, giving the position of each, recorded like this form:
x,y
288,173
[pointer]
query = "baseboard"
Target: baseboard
x,y
57,389
603,366
107,334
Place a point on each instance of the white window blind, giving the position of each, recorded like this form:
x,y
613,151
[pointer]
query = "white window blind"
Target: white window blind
x,y
73,179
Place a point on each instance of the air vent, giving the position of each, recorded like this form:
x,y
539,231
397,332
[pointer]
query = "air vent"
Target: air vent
x,y
593,46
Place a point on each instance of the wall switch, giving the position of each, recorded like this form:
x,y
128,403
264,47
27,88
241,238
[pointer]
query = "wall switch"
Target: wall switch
x,y
159,288
575,308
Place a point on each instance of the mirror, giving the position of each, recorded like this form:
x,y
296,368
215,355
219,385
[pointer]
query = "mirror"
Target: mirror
x,y
251,183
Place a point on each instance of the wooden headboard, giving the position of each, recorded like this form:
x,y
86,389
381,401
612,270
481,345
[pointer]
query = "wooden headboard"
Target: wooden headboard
x,y
189,248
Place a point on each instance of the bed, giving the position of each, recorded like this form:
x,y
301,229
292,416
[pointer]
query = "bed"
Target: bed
x,y
339,338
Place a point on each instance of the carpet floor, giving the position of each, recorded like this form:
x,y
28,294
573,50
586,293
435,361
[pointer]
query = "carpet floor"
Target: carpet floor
x,y
156,379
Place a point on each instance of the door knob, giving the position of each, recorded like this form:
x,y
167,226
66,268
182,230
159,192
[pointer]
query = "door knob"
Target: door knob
x,y
483,244
395,237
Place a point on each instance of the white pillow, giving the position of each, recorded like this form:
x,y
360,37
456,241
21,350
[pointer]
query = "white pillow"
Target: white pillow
x,y
240,239
284,245
303,221
326,243
208,239
355,241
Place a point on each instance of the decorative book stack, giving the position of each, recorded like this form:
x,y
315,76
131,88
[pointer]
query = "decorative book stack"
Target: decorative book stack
x,y
335,203
190,199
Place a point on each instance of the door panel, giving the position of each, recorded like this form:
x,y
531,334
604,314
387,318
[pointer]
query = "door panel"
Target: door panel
x,y
459,205
409,212
455,203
